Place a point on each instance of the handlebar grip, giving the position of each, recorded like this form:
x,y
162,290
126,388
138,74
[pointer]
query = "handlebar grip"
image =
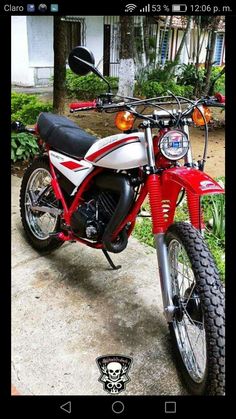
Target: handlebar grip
x,y
81,105
220,97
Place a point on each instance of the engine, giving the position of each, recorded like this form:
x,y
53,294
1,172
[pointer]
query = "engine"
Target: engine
x,y
92,217
105,206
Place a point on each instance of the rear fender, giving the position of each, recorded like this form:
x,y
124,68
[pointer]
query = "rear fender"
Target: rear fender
x,y
195,183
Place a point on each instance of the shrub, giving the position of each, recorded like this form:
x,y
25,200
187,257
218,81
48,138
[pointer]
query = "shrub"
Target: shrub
x,y
88,87
23,146
26,108
191,75
154,88
165,73
29,113
220,83
18,100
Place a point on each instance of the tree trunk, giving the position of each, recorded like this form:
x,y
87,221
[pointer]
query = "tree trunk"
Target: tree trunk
x,y
126,68
211,51
181,46
59,46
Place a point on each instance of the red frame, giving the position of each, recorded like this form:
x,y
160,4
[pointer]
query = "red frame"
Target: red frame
x,y
163,190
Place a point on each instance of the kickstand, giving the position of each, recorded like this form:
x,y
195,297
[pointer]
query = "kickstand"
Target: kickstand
x,y
108,258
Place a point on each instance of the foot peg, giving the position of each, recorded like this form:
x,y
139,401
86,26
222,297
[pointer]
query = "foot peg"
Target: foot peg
x,y
108,258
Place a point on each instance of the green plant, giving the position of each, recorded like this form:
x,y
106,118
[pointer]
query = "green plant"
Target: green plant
x,y
214,213
143,231
154,88
18,100
218,214
219,85
26,108
29,113
23,146
88,87
195,76
163,74
190,75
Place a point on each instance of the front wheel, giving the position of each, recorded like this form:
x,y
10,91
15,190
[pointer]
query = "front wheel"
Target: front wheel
x,y
197,329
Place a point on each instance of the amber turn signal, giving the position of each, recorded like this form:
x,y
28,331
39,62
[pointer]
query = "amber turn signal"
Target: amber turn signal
x,y
198,118
124,120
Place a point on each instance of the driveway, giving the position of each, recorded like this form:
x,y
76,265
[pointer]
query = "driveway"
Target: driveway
x,y
69,307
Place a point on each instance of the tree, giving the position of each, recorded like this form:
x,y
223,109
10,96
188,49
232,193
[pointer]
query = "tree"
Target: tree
x,y
210,55
59,46
183,40
126,67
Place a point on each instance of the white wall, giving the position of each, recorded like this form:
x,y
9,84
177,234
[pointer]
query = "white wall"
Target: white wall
x,y
32,47
20,71
40,40
94,37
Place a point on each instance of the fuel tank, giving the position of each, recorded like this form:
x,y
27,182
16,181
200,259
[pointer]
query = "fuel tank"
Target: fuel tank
x,y
119,151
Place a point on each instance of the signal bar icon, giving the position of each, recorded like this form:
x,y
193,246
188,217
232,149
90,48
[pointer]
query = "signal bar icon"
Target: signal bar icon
x,y
146,9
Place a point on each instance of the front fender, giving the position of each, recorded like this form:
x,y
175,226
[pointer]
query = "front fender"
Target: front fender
x,y
192,180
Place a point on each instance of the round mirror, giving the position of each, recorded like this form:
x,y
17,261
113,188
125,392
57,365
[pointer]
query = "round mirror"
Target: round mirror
x,y
81,60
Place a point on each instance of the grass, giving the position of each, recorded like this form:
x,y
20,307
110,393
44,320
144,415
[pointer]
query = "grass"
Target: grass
x,y
213,207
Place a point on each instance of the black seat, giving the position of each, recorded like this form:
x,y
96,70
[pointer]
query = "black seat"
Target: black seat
x,y
64,135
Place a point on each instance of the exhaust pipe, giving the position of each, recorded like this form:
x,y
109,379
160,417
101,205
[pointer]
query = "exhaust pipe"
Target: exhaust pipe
x,y
119,184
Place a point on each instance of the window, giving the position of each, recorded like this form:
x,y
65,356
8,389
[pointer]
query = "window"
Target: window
x,y
218,48
73,36
164,46
75,32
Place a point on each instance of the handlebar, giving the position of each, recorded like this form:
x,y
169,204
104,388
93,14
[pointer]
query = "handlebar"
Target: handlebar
x,y
158,102
76,106
215,101
220,97
19,127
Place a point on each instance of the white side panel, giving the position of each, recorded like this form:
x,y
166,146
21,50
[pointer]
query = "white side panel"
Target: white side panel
x,y
74,170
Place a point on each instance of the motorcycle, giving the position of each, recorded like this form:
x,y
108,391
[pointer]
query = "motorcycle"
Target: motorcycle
x,y
88,190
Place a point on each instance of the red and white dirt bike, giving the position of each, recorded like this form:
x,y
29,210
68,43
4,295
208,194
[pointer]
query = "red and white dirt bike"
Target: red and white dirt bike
x,y
91,190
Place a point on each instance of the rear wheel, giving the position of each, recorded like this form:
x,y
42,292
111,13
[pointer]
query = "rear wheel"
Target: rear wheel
x,y
37,224
197,329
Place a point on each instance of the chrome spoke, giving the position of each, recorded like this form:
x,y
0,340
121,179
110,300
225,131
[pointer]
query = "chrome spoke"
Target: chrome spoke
x,y
189,329
40,224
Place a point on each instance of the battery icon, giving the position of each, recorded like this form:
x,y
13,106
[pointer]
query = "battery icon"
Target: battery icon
x,y
179,8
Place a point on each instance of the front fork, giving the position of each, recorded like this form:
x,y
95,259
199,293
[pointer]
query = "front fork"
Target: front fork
x,y
154,189
158,223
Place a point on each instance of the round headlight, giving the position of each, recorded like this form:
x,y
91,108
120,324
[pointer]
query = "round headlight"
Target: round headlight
x,y
174,144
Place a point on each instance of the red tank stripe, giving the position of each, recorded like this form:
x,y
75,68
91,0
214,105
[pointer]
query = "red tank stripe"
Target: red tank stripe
x,y
109,147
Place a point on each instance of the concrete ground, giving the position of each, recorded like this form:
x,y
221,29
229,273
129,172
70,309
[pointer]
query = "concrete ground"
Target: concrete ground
x,y
68,308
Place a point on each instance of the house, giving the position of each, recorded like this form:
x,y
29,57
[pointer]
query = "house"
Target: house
x,y
32,43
